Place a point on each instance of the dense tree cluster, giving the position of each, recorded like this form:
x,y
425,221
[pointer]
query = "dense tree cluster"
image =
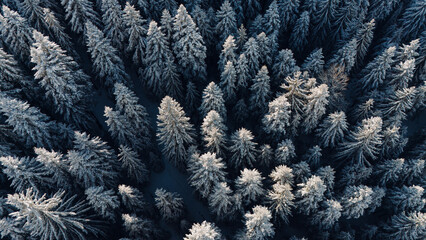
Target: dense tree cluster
x,y
211,120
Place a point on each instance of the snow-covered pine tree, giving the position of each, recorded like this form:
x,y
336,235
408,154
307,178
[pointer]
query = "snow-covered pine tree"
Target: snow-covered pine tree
x,y
228,53
265,49
133,164
327,174
78,12
313,156
272,18
26,173
226,21
301,171
277,119
364,37
284,65
300,33
260,91
188,45
166,22
131,197
258,224
410,225
138,227
103,201
337,81
66,86
393,141
355,200
282,174
249,186
212,99
389,171
381,9
204,24
403,73
243,71
265,155
214,130
170,204
175,132
222,202
57,30
49,218
288,11
374,73
314,63
106,60
281,200
329,216
118,127
54,165
92,162
413,19
192,98
115,28
345,56
322,16
310,194
135,113
284,152
252,55
203,231
315,107
32,10
397,104
363,144
27,122
205,171
413,169
348,16
16,33
243,148
406,199
228,82
135,30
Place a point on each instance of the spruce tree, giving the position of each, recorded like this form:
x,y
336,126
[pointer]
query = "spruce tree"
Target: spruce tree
x,y
78,12
364,37
222,202
133,164
315,107
214,130
397,105
355,200
288,12
251,52
112,17
285,151
258,224
135,32
188,45
131,197
249,185
204,24
205,230
411,225
381,9
413,19
345,56
260,91
228,82
243,148
66,86
327,217
226,21
300,33
106,61
281,200
228,53
375,72
406,199
333,128
170,204
212,99
54,165
57,30
310,194
14,83
243,71
282,174
277,119
175,132
104,202
272,18
166,22
314,63
284,65
32,10
322,17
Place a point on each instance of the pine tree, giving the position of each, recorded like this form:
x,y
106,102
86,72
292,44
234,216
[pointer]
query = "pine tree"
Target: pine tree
x,y
112,17
57,30
283,175
175,132
403,73
310,194
118,126
345,56
284,152
299,35
16,33
251,8
51,218
413,169
251,53
204,24
313,156
407,51
265,49
156,56
249,185
25,173
136,115
337,82
65,84
132,164
91,161
243,148
398,104
135,32
406,199
27,122
258,224
272,18
203,231
278,116
327,174
285,65
226,21
213,100
78,12
221,201
103,201
32,10
381,9
188,45
241,36
363,144
53,165
171,79
301,171
131,198
281,200
228,81
364,37
170,204
413,19
228,53
314,63
260,91
106,61
205,171
166,22
355,200
329,216
139,228
376,198
13,78
390,171
393,142
214,130
411,225
375,72
288,12
265,155
315,107
243,71
346,19
322,18
192,97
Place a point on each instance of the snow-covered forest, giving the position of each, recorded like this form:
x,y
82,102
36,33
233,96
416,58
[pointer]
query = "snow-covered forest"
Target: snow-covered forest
x,y
212,120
